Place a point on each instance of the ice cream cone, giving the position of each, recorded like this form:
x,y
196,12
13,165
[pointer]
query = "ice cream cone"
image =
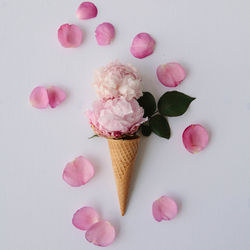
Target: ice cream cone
x,y
123,155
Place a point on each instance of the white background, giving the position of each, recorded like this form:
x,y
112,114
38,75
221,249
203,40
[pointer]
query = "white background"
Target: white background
x,y
211,39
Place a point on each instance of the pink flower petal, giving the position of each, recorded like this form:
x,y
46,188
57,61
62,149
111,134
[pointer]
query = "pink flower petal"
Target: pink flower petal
x,y
85,217
170,74
104,33
70,35
101,234
39,98
164,208
142,46
78,172
56,96
195,138
86,10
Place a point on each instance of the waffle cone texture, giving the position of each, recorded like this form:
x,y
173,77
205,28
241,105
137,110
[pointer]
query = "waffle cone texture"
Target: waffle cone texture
x,y
123,155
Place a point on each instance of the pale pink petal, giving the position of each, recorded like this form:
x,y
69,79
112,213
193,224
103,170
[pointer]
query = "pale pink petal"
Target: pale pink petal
x,y
101,234
104,33
70,35
164,208
170,74
86,10
195,138
78,172
142,46
56,96
39,98
85,217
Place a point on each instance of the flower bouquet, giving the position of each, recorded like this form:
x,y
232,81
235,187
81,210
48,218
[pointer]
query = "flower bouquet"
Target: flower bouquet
x,y
123,109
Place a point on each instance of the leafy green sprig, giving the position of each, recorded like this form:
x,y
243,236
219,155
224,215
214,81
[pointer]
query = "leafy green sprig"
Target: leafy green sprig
x,y
170,104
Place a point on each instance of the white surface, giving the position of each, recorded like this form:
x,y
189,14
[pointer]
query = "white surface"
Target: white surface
x,y
211,39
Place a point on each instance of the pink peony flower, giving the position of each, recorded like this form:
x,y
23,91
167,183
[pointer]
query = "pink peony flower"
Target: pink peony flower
x,y
116,117
116,80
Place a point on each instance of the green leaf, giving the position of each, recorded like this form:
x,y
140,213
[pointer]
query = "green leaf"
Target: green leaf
x,y
147,101
160,126
146,130
174,103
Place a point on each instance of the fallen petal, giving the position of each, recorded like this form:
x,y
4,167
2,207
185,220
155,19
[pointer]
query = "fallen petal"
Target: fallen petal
x,y
56,96
78,172
101,234
170,74
86,10
85,217
164,208
142,46
195,138
104,33
39,98
70,35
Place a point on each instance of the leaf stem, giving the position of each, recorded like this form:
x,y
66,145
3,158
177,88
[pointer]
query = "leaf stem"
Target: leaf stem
x,y
92,136
156,111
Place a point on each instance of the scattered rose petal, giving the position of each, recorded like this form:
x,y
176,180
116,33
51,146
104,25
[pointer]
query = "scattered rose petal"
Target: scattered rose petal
x,y
195,138
142,46
104,33
170,74
164,208
70,35
78,172
39,98
85,217
101,234
86,10
56,96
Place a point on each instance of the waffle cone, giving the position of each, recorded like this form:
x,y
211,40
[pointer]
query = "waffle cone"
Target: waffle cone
x,y
123,155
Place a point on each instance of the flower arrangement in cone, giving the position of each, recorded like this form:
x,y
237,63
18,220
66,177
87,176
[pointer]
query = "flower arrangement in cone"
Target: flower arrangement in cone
x,y
122,110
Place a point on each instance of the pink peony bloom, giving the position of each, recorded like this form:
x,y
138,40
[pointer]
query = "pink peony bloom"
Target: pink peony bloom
x,y
116,117
116,80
